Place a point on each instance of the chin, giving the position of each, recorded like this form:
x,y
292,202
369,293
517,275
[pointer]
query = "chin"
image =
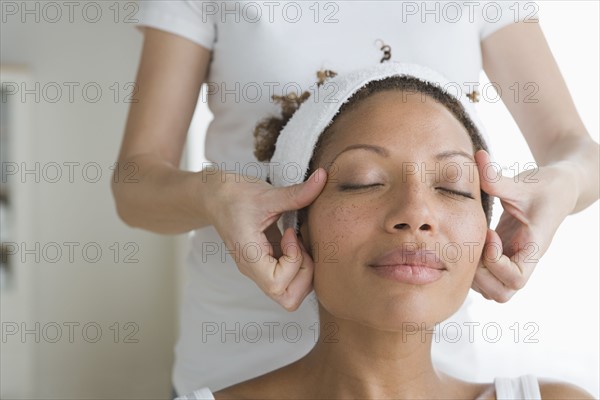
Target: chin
x,y
397,313
417,314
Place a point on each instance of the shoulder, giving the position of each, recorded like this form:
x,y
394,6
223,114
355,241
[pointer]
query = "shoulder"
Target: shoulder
x,y
553,389
236,392
225,395
272,385
243,390
549,390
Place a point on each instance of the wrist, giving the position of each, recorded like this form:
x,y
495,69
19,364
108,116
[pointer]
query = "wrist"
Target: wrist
x,y
207,187
568,174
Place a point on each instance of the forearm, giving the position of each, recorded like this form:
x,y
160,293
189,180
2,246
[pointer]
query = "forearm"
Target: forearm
x,y
580,156
153,195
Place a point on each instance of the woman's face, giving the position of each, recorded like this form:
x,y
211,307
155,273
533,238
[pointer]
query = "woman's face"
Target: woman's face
x,y
392,239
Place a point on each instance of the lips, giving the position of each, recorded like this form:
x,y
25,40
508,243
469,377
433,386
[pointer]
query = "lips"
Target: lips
x,y
417,267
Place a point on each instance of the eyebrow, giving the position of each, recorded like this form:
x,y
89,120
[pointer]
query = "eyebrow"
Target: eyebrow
x,y
385,153
370,147
454,153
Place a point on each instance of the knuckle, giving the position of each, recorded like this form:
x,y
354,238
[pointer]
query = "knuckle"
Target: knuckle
x,y
504,296
290,305
275,290
516,282
292,194
519,283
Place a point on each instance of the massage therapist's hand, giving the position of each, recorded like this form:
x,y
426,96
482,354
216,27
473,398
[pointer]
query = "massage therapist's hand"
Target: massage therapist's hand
x,y
535,203
244,211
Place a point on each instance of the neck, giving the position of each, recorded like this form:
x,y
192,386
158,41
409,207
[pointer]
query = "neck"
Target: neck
x,y
354,360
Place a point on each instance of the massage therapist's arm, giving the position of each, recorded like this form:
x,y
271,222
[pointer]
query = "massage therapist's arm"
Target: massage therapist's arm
x,y
158,196
152,193
551,126
566,180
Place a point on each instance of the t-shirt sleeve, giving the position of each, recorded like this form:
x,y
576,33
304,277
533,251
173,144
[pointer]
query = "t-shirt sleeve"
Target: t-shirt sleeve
x,y
495,15
191,19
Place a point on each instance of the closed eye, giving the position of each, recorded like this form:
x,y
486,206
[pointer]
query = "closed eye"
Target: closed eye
x,y
457,193
358,187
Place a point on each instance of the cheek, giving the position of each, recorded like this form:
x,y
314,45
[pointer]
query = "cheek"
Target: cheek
x,y
467,239
337,232
462,252
338,223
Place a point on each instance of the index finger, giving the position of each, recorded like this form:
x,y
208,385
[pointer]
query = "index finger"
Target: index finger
x,y
513,271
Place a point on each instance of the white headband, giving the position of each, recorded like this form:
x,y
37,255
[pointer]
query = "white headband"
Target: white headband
x,y
296,142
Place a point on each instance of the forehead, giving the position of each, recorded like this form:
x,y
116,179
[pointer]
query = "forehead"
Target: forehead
x,y
399,120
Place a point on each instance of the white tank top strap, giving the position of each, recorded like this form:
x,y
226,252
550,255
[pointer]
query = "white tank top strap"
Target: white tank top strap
x,y
200,394
522,387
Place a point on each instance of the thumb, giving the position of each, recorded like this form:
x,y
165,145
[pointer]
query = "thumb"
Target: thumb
x,y
491,180
300,195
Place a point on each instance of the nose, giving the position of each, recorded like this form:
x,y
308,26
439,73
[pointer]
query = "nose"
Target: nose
x,y
410,209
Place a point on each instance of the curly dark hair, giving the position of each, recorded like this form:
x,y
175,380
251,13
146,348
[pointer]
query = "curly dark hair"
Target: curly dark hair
x,y
268,129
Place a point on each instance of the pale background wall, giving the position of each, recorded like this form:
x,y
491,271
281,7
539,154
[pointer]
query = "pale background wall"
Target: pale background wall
x,y
563,305
105,292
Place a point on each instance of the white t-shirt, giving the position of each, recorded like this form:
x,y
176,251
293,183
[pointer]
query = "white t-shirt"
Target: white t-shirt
x,y
230,331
